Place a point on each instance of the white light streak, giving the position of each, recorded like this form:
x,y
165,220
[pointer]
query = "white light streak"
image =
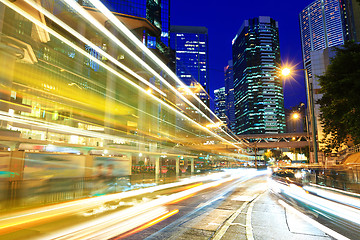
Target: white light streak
x,y
129,34
92,45
51,31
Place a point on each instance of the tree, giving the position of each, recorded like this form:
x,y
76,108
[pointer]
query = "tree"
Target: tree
x,y
340,103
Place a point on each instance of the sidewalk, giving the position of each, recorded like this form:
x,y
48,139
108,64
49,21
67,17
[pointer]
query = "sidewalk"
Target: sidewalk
x,y
261,216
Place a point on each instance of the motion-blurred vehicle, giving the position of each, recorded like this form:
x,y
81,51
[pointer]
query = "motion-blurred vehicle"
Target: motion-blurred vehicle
x,y
283,179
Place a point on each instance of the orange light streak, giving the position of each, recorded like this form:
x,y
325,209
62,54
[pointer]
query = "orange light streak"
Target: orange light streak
x,y
192,186
216,185
149,224
182,198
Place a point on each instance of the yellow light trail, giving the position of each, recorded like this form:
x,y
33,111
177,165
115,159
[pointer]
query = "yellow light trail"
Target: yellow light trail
x,y
40,24
122,28
88,42
152,223
119,25
182,198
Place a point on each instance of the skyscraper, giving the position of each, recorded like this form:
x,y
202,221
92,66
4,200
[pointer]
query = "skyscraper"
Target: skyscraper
x,y
157,12
229,96
325,25
191,47
258,92
220,103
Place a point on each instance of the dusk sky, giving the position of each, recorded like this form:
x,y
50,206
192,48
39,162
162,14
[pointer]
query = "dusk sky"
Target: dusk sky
x,y
223,20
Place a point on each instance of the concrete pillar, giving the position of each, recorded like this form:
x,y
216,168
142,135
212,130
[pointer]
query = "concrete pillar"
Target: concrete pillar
x,y
192,166
157,168
128,157
177,167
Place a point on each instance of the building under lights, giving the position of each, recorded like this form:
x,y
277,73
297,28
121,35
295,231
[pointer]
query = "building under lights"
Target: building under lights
x,y
220,104
325,25
150,12
191,49
258,91
229,96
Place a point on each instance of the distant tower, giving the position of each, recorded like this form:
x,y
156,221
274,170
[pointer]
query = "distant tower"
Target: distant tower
x,y
323,26
191,47
220,104
258,91
229,96
326,24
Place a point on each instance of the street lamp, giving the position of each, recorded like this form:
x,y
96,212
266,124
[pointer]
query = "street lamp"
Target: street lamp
x,y
310,99
295,116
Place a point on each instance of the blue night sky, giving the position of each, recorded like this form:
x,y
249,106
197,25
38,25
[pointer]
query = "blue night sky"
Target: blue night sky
x,y
224,20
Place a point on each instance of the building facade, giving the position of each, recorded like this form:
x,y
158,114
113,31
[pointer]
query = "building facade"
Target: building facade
x,y
191,47
156,12
258,91
325,24
220,104
229,96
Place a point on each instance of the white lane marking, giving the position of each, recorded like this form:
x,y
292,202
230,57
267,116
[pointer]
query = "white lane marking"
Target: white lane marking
x,y
316,224
249,231
218,235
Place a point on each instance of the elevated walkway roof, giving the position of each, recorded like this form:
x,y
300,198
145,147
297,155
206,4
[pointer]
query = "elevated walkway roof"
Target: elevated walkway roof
x,y
353,159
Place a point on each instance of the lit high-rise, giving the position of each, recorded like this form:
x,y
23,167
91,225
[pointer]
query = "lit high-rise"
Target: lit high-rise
x,y
258,91
325,25
220,103
191,47
229,96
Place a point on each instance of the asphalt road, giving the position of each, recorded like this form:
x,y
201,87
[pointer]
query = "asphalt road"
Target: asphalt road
x,y
238,208
235,210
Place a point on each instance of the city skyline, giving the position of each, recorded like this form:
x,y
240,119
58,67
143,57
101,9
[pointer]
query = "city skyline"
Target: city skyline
x,y
100,139
224,27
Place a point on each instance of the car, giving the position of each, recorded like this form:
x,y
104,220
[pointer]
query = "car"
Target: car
x,y
283,179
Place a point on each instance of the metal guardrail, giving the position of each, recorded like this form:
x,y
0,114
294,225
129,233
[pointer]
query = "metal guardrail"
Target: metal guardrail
x,y
344,179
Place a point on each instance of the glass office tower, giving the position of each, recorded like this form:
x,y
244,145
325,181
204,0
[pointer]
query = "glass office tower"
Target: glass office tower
x,y
157,12
258,91
229,96
323,26
191,47
220,104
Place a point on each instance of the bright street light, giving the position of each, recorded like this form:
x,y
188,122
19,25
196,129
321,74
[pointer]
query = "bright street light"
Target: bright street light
x,y
285,71
310,97
295,116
